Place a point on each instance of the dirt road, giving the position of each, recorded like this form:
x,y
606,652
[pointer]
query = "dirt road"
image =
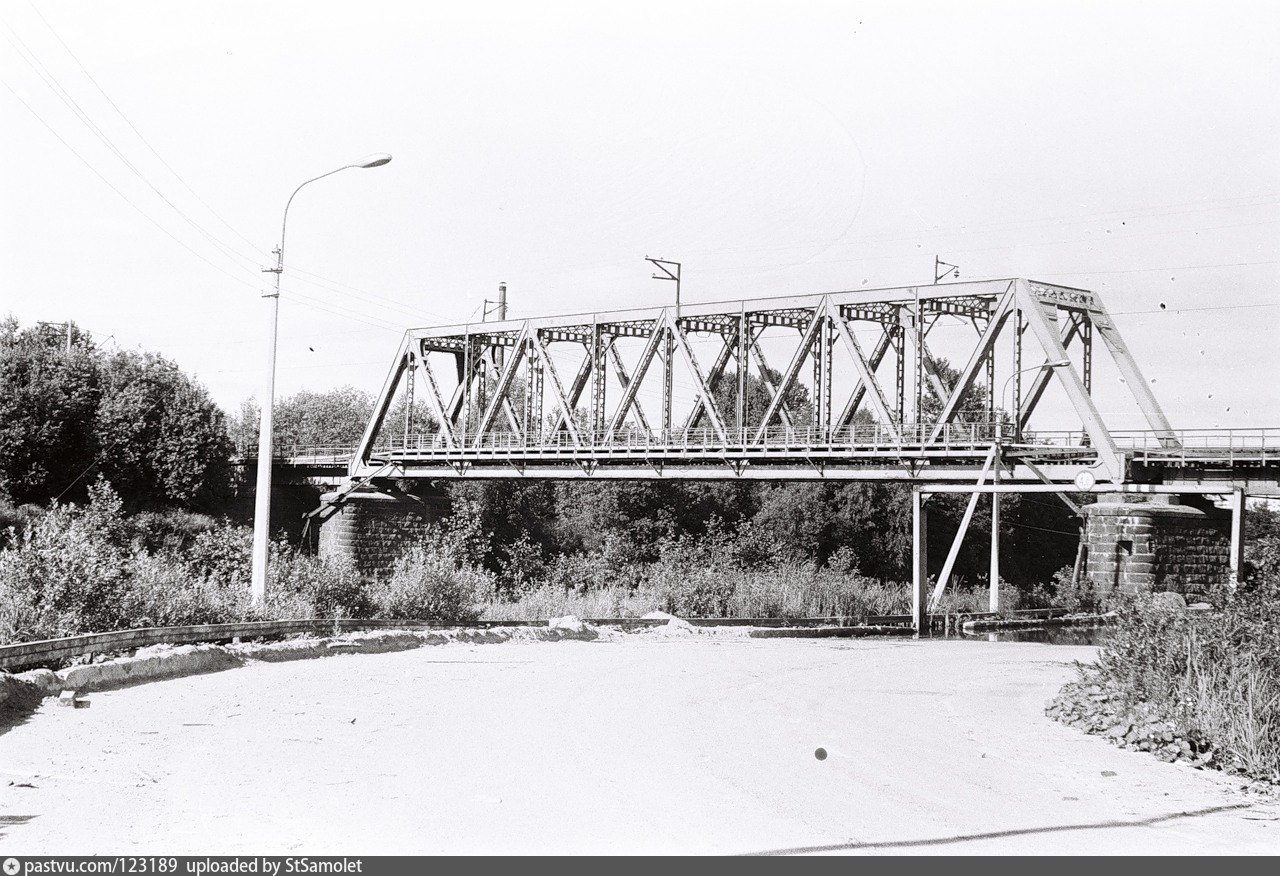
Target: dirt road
x,y
641,745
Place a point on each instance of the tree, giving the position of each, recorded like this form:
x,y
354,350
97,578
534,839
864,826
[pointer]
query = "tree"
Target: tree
x,y
162,442
70,413
48,400
307,419
336,418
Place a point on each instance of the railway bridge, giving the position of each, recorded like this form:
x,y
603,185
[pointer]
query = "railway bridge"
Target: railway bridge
x,y
982,387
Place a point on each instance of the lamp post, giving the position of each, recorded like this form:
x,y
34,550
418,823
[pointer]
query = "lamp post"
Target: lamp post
x,y
262,499
993,574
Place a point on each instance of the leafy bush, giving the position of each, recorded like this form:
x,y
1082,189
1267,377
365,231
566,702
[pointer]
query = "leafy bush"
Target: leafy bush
x,y
67,571
91,569
316,586
430,582
173,530
1077,596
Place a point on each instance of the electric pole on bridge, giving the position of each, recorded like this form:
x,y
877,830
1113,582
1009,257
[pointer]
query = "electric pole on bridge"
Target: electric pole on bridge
x,y
942,270
669,351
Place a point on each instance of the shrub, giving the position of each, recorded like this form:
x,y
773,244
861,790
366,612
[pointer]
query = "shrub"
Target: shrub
x,y
67,571
1077,596
174,531
316,586
430,582
163,593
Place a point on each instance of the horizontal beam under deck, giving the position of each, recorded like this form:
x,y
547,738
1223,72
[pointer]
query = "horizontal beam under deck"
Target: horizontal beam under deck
x,y
816,470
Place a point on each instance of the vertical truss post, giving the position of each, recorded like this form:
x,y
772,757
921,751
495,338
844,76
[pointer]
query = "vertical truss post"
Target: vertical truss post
x,y
409,379
826,347
1016,405
992,404
918,377
815,410
468,369
482,357
900,378
919,562
1086,334
668,366
744,346
599,371
533,393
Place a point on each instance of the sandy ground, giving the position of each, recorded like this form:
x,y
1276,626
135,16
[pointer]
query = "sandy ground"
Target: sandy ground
x,y
640,745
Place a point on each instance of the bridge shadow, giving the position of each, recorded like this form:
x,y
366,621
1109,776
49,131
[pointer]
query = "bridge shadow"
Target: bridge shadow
x,y
997,834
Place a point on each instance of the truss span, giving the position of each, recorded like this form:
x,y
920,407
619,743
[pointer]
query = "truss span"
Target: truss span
x,y
844,385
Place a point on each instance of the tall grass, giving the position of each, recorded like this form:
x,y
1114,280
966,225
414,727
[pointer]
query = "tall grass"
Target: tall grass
x,y
1216,675
719,576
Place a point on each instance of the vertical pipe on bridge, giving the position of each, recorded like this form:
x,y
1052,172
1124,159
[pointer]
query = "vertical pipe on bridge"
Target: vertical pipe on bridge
x,y
993,573
1235,560
919,562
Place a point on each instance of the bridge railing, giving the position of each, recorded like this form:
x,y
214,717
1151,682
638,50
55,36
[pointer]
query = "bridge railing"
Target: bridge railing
x,y
1186,446
701,438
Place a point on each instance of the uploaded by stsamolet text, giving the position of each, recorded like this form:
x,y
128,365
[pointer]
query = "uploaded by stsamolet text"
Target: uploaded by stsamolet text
x,y
186,866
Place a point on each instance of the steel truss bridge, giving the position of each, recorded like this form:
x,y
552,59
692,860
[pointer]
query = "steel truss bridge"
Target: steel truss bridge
x,y
854,392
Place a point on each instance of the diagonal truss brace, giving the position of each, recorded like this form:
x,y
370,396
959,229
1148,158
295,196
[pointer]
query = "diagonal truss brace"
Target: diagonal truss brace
x,y
707,400
642,367
557,389
503,386
365,448
1041,319
970,371
944,577
866,373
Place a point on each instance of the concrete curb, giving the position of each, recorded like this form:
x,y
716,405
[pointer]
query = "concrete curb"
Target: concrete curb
x,y
176,661
998,624
831,632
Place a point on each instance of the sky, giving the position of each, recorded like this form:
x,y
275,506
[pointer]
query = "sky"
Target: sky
x,y
148,150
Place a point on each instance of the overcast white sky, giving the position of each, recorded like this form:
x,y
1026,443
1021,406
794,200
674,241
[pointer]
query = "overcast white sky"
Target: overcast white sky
x,y
773,148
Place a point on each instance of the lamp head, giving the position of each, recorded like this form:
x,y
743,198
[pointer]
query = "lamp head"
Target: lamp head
x,y
377,159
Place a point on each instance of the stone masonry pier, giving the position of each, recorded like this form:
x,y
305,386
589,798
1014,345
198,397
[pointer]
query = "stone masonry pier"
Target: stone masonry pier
x,y
372,529
1171,542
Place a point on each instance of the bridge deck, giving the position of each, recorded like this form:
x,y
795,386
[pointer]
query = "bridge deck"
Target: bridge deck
x,y
861,452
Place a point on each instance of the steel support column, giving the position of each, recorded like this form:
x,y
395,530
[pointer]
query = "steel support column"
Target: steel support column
x,y
1235,561
919,562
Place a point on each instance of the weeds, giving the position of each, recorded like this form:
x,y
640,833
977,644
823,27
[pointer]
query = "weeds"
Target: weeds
x,y
1216,676
91,569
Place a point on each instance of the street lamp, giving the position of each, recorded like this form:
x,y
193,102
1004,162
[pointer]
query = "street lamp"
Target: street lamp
x,y
1017,415
262,500
993,574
